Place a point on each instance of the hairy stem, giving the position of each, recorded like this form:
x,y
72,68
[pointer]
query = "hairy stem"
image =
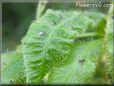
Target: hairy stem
x,y
40,8
110,13
105,58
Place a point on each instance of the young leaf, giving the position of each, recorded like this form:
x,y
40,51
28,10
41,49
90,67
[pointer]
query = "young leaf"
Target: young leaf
x,y
54,17
80,65
12,68
98,22
45,45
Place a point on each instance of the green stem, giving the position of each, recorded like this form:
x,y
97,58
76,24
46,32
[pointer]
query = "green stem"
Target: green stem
x,y
87,35
106,56
110,12
40,8
108,17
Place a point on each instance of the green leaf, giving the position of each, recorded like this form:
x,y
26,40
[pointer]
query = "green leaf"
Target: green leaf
x,y
50,40
55,17
80,65
98,22
12,68
45,44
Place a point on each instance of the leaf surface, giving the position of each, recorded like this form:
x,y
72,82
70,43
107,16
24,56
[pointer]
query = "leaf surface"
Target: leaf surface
x,y
45,45
12,68
80,66
50,40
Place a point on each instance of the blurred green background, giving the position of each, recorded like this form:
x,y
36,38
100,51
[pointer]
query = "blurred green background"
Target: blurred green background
x,y
16,18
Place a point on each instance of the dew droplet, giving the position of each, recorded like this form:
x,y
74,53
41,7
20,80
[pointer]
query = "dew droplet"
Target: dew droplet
x,y
41,33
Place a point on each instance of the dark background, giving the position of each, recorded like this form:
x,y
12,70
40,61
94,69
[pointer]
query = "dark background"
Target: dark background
x,y
16,17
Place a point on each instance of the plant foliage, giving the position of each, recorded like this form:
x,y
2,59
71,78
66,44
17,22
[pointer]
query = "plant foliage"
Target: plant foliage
x,y
62,47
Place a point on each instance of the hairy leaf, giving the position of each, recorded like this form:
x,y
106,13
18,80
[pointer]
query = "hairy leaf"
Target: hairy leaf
x,y
12,68
80,65
50,40
45,44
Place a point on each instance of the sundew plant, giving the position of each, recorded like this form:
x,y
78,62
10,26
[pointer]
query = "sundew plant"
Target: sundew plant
x,y
63,47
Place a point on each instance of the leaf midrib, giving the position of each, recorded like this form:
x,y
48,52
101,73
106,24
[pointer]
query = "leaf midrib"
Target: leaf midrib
x,y
49,38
